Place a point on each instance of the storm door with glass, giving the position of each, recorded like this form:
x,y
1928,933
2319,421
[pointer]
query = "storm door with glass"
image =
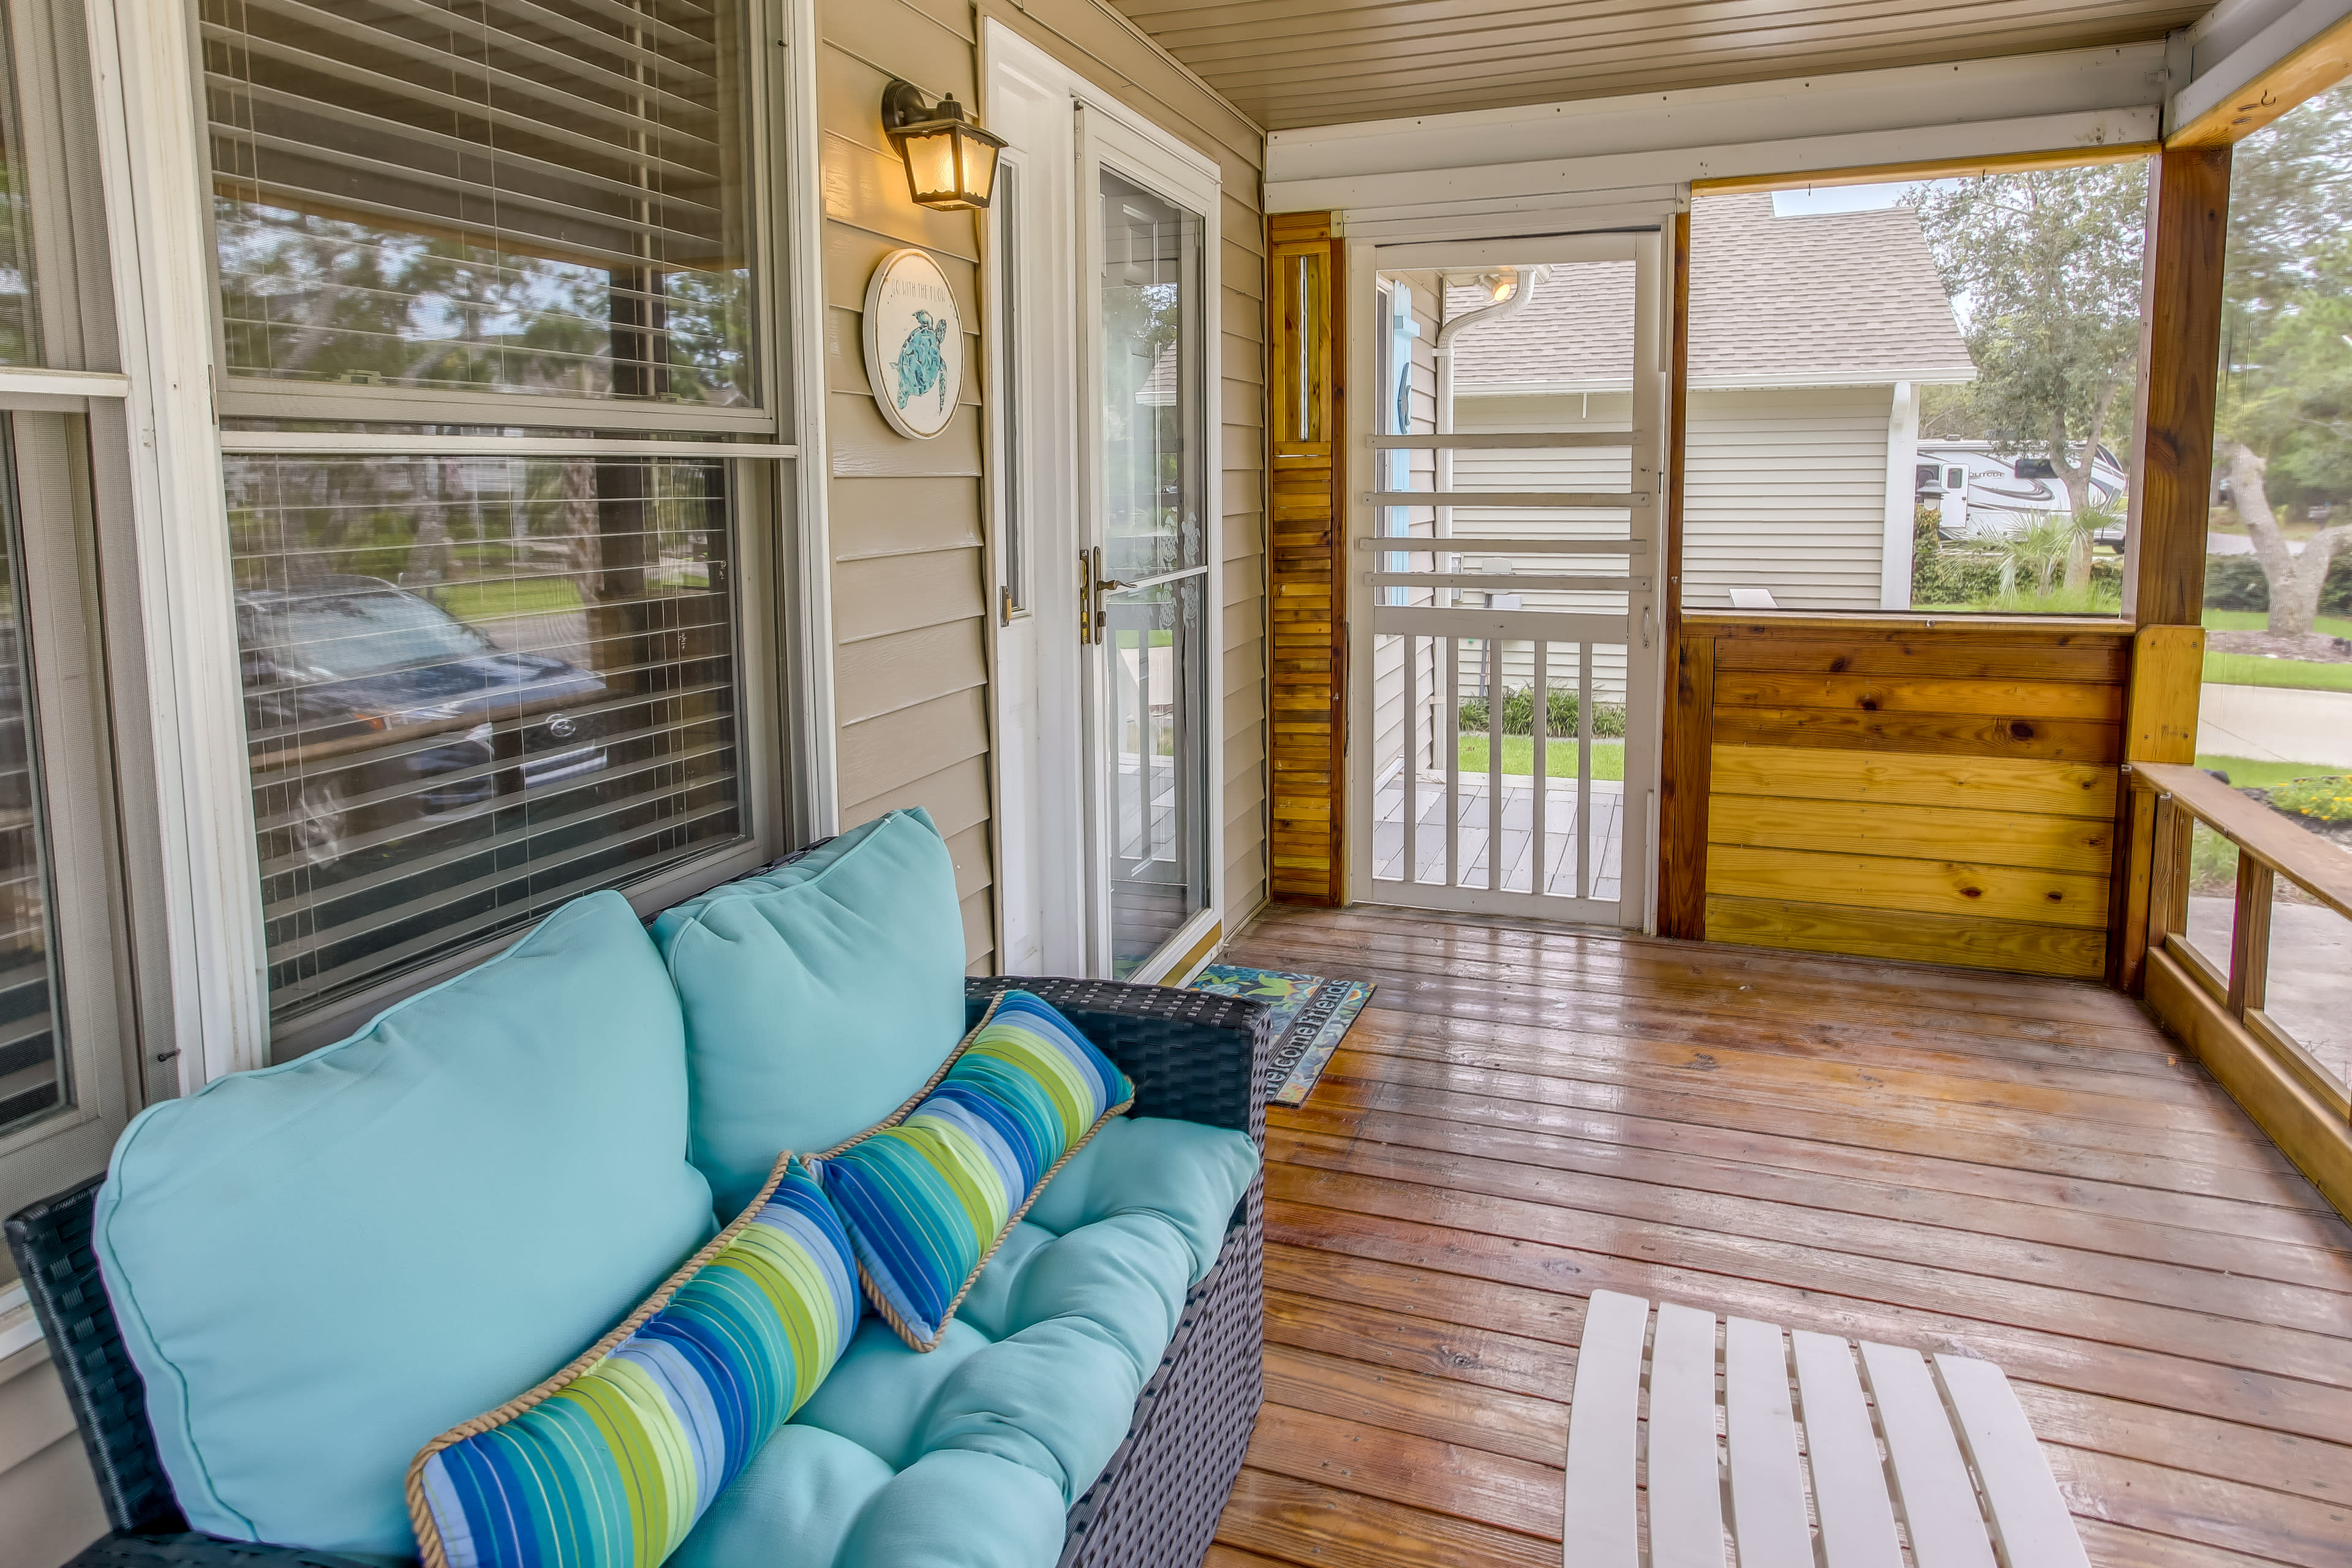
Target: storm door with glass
x,y
1149,617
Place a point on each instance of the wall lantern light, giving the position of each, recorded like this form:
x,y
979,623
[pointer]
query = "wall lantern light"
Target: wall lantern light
x,y
950,162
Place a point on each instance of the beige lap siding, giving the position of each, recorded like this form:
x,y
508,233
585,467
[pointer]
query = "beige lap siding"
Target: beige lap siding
x,y
909,595
49,1503
1786,488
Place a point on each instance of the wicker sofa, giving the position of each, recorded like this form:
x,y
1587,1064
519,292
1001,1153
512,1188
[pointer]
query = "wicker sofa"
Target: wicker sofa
x,y
1192,1057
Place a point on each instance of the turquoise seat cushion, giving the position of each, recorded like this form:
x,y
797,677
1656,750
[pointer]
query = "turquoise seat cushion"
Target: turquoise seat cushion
x,y
812,1500
819,998
320,1266
970,1455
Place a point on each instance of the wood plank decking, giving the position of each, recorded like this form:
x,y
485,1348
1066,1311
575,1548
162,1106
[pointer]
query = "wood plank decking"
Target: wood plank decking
x,y
1931,1158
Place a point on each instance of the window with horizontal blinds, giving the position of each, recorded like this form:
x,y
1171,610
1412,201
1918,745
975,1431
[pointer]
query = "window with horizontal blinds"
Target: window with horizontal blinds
x,y
544,196
33,1081
476,688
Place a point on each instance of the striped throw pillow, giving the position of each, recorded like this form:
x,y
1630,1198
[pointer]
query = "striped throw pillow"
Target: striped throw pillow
x,y
609,1463
928,1195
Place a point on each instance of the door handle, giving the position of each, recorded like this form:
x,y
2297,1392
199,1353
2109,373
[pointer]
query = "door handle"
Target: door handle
x,y
1092,587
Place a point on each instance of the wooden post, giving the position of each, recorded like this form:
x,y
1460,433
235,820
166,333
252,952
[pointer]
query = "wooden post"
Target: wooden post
x,y
1687,776
2180,360
2250,939
2172,480
1682,773
1306,573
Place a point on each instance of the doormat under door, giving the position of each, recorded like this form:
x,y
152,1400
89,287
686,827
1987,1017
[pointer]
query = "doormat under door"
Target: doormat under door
x,y
1311,1015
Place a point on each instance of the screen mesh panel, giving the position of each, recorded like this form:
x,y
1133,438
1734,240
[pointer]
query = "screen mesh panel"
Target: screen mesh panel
x,y
475,688
32,1041
483,193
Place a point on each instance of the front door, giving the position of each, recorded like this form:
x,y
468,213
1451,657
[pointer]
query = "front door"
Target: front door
x,y
1504,646
1104,529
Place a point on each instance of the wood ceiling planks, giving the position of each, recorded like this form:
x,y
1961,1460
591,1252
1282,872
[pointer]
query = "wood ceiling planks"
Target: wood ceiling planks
x,y
1293,63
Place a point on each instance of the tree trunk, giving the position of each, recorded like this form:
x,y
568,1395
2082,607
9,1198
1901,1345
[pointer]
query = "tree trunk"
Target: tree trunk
x,y
2295,579
431,561
2076,476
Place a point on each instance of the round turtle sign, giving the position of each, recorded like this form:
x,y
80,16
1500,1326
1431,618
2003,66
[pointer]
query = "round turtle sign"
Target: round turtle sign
x,y
914,343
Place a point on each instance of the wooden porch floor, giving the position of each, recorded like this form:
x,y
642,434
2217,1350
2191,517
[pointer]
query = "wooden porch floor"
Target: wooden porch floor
x,y
1927,1157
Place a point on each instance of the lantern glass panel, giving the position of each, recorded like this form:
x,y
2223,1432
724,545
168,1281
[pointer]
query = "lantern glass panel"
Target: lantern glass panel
x,y
979,170
931,165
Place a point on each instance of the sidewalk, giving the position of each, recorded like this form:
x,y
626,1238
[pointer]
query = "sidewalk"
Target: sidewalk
x,y
2310,971
2276,724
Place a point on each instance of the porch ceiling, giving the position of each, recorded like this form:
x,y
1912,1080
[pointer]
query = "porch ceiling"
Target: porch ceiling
x,y
1293,63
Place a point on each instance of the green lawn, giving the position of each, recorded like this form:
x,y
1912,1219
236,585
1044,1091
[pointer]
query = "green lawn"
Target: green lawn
x,y
2252,670
508,596
2246,774
2093,599
2256,620
1519,757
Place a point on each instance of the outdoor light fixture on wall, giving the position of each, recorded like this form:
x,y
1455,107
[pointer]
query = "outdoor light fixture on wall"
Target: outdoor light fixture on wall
x,y
950,162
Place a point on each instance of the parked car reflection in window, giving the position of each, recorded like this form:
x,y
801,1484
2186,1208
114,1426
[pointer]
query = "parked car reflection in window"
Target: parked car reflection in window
x,y
336,663
475,688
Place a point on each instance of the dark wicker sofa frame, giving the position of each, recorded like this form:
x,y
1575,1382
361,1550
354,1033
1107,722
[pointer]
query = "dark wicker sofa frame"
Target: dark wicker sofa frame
x,y
1191,1056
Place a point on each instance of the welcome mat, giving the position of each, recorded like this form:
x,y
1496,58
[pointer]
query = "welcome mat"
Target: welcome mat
x,y
1311,1015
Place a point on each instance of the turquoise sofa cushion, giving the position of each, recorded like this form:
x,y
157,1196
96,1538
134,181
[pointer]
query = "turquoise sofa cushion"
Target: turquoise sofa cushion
x,y
320,1266
928,1197
819,998
989,1438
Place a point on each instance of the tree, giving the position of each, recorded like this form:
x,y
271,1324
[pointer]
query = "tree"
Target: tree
x,y
2283,422
2043,271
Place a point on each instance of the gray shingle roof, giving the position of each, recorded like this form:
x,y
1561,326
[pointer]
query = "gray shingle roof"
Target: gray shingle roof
x,y
1830,298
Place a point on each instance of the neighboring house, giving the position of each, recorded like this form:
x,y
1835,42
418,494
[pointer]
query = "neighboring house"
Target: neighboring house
x,y
1809,339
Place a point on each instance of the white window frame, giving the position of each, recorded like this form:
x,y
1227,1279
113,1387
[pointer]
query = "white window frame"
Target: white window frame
x,y
63,416
203,916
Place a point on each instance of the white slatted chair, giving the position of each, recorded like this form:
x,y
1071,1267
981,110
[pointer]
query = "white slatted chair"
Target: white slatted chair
x,y
1943,1438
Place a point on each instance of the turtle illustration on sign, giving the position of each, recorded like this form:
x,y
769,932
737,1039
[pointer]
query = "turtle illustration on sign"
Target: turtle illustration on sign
x,y
919,367
914,344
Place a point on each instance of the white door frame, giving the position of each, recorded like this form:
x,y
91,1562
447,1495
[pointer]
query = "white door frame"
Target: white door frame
x,y
1051,828
1034,657
1650,250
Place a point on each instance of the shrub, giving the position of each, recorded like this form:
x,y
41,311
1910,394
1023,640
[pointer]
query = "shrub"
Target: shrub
x,y
1954,577
2322,799
2236,583
1559,721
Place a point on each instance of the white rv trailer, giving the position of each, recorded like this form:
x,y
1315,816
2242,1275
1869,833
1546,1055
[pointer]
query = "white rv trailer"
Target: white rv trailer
x,y
1985,493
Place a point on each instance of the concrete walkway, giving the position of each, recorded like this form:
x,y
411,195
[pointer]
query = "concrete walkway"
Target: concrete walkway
x,y
2310,971
2276,724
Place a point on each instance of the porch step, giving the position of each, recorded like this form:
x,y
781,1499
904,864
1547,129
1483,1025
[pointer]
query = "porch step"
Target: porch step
x,y
1866,1457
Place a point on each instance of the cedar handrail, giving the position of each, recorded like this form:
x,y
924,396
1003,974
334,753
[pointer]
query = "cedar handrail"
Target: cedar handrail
x,y
2299,855
2232,1026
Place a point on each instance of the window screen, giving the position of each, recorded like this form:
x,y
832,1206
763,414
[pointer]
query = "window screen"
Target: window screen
x,y
32,1053
510,194
475,688
19,334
